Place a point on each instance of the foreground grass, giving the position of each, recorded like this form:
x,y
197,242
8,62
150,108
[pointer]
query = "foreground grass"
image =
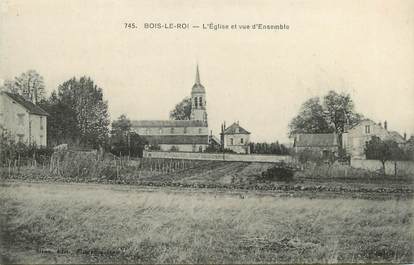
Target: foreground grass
x,y
101,223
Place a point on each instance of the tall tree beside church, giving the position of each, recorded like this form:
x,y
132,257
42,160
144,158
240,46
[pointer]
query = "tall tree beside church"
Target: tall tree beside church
x,y
182,110
85,99
29,84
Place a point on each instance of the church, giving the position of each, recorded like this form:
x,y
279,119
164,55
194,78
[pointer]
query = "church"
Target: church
x,y
179,135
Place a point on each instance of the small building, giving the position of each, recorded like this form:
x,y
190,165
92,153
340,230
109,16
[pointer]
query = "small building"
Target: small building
x,y
22,119
355,138
324,144
236,138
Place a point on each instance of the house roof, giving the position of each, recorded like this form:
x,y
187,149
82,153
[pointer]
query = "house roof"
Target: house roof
x,y
167,123
176,139
32,108
395,136
316,140
235,129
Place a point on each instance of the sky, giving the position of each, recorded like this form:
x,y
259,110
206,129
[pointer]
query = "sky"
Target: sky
x,y
257,77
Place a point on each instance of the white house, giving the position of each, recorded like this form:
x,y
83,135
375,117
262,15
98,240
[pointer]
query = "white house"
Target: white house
x,y
22,119
354,139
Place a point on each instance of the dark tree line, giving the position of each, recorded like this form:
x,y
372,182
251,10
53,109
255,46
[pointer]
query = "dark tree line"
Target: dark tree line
x,y
269,148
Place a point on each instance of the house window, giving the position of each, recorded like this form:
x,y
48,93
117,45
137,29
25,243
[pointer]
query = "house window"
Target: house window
x,y
1,119
160,130
241,140
200,149
41,123
185,129
367,129
231,141
20,117
172,130
237,130
146,131
199,130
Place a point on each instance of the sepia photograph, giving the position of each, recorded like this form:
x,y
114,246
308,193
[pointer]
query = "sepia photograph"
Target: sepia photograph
x,y
206,132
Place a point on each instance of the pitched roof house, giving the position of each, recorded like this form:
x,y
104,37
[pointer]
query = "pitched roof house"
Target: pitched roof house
x,y
236,138
25,121
354,139
321,143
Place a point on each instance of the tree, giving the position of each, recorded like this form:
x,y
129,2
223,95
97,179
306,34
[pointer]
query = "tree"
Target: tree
x,y
86,101
29,84
62,125
123,140
339,111
182,110
311,119
384,151
331,116
122,125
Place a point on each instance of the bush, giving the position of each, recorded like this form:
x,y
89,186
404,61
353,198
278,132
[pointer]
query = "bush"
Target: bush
x,y
278,173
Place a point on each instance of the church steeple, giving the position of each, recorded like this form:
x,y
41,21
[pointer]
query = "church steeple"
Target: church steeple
x,y
198,99
197,79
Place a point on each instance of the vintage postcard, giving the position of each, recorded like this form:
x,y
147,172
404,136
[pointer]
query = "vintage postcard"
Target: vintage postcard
x,y
195,132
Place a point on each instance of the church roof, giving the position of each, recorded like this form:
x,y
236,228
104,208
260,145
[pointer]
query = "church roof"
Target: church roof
x,y
31,107
198,87
168,123
235,129
316,140
176,139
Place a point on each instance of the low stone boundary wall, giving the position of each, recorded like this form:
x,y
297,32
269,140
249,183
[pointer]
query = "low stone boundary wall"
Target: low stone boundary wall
x,y
403,167
217,156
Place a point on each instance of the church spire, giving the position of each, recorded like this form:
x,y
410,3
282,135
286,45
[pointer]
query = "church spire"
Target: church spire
x,y
197,79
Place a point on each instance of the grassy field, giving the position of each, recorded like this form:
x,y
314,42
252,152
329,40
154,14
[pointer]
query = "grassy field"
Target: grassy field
x,y
81,223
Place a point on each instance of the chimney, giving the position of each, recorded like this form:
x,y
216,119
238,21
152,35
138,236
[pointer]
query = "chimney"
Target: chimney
x,y
385,125
380,124
224,125
405,136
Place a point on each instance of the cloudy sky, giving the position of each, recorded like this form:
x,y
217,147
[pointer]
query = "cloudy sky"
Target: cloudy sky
x,y
259,77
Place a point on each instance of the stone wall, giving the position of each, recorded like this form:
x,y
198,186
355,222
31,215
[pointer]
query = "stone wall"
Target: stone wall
x,y
216,156
403,167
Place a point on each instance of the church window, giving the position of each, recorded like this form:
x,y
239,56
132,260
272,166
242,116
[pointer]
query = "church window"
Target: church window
x,y
20,136
195,102
367,129
200,100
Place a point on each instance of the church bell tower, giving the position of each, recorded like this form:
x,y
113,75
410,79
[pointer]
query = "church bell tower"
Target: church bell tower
x,y
198,100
